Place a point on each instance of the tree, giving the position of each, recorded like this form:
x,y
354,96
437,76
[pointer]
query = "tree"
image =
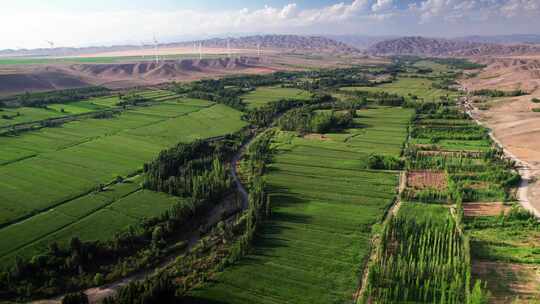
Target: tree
x,y
98,279
75,298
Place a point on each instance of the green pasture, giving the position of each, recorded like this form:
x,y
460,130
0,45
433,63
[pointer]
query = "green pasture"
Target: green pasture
x,y
263,95
53,172
408,87
324,204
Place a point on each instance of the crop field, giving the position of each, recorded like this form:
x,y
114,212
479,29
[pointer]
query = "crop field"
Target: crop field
x,y
264,95
408,87
422,259
505,254
436,67
324,203
13,116
98,60
25,114
112,210
503,239
36,169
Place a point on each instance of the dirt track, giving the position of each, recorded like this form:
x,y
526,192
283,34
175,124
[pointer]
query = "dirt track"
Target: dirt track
x,y
98,294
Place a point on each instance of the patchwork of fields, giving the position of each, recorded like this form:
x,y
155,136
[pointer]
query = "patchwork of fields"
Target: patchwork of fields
x,y
48,177
324,203
408,87
263,95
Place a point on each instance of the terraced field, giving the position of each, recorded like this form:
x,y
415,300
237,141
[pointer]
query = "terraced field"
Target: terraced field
x,y
324,203
48,177
407,87
264,95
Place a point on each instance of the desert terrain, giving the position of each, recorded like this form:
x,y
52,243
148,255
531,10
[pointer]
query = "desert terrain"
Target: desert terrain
x,y
129,72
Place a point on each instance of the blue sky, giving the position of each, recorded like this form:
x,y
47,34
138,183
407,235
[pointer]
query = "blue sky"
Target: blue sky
x,y
28,23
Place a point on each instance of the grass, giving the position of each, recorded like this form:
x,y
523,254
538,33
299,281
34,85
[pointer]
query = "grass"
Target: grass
x,y
408,87
54,167
436,67
98,150
264,95
323,207
25,115
14,116
98,60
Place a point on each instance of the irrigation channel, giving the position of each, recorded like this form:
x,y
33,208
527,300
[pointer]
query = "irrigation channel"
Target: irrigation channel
x,y
98,294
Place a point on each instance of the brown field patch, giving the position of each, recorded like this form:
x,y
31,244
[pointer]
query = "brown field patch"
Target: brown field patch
x,y
507,281
484,209
473,154
316,136
427,179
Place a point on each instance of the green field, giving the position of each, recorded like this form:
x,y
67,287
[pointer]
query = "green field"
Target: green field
x,y
436,67
264,95
99,60
45,171
408,87
324,204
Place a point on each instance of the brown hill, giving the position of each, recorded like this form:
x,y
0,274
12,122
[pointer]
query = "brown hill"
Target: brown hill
x,y
288,43
114,75
292,43
421,46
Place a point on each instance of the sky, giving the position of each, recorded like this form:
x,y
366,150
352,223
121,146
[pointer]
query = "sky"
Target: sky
x,y
31,23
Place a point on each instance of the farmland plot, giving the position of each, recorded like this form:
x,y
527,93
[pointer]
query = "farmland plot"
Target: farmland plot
x,y
408,87
323,206
52,173
264,95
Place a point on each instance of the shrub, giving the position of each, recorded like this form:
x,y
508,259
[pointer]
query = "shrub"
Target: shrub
x,y
75,298
535,100
537,110
384,162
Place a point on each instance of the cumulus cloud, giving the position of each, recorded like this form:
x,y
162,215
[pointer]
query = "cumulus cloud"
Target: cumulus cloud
x,y
381,5
358,16
514,8
473,10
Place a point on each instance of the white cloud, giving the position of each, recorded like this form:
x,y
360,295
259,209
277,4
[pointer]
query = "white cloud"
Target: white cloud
x,y
358,16
514,8
381,5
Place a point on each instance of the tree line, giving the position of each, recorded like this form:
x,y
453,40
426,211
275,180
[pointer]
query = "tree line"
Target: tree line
x,y
42,99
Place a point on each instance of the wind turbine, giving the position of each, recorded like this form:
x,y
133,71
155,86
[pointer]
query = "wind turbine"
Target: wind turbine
x,y
142,50
259,49
51,45
229,48
200,50
156,49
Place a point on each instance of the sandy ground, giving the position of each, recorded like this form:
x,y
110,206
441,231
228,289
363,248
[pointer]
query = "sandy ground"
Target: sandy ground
x,y
34,78
518,129
163,51
509,281
511,120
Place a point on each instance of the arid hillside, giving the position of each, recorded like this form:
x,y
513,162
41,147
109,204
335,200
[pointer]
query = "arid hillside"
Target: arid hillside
x,y
435,47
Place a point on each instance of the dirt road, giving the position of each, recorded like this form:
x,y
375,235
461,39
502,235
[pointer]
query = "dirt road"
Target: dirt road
x,y
98,294
527,170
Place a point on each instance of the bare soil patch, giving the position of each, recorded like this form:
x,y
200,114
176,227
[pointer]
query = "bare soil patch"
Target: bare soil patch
x,y
507,281
316,136
484,209
427,180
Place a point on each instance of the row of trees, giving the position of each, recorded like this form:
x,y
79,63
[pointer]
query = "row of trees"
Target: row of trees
x,y
174,285
192,170
42,99
305,120
83,264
